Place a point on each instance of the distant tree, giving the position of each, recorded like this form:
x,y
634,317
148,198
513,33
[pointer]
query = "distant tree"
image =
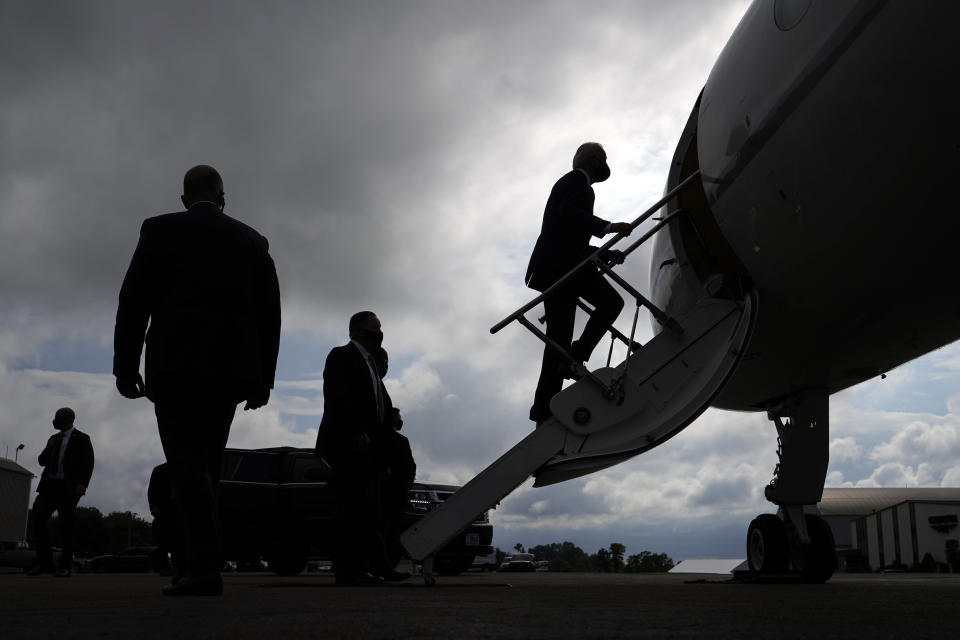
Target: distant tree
x,y
500,555
602,561
562,556
645,561
560,565
96,534
88,538
518,548
124,529
617,551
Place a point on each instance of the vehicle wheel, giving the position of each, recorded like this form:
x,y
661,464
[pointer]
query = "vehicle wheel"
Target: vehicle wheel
x,y
767,549
288,565
819,558
451,566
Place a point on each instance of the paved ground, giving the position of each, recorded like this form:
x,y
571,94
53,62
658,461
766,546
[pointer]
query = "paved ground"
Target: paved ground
x,y
535,605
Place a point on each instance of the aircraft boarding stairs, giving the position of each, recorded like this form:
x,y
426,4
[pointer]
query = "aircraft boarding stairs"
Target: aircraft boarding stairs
x,y
610,414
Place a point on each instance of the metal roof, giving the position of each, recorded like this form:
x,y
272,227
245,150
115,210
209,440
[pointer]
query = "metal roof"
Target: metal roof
x,y
9,465
859,502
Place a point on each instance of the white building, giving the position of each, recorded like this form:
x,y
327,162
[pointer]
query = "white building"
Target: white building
x,y
904,534
892,527
14,499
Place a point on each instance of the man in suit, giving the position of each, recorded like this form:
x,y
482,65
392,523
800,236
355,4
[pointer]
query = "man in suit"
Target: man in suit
x,y
357,413
400,470
564,242
208,288
67,462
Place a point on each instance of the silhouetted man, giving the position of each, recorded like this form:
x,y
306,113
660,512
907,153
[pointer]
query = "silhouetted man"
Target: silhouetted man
x,y
356,411
67,462
396,480
208,288
564,242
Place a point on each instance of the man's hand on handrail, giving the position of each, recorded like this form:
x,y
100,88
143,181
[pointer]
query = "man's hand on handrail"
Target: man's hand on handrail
x,y
613,256
623,228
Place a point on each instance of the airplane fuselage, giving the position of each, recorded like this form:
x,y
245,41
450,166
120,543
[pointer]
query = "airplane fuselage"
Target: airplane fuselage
x,y
828,139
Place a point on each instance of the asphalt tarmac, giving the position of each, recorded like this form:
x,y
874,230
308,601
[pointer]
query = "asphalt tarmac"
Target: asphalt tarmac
x,y
475,605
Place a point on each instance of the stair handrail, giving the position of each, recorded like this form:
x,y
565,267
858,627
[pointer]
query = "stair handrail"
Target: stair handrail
x,y
595,256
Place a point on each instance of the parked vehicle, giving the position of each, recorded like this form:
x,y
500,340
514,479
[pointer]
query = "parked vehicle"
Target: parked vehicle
x,y
486,562
277,504
23,555
518,562
130,560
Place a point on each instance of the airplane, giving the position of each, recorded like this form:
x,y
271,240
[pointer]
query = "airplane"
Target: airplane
x,y
805,243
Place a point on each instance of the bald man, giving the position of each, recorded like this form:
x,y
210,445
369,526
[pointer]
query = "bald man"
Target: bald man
x,y
67,462
564,242
207,286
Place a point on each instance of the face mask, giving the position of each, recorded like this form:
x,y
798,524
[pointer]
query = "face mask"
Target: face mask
x,y
603,172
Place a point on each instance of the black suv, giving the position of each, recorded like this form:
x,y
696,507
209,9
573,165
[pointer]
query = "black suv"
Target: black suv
x,y
278,504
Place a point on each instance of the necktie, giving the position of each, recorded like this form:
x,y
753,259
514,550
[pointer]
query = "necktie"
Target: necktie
x,y
378,389
57,445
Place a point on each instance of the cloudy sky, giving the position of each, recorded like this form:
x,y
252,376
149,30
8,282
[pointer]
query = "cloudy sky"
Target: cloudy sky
x,y
397,155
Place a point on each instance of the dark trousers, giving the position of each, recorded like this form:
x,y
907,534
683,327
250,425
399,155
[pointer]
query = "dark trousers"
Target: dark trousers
x,y
59,496
193,432
561,311
395,494
168,536
359,546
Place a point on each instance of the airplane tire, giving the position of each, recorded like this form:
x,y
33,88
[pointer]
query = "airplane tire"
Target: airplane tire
x,y
767,549
819,558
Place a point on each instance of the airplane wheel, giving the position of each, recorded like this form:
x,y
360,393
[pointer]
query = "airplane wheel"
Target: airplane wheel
x,y
767,549
819,558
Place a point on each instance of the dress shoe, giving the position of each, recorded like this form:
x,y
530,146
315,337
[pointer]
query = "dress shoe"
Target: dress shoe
x,y
62,573
360,579
395,576
211,585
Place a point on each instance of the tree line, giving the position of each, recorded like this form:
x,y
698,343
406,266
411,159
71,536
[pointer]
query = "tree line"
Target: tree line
x,y
566,556
97,534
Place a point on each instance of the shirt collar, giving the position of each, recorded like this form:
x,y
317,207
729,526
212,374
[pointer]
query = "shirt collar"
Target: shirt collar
x,y
363,352
200,202
585,175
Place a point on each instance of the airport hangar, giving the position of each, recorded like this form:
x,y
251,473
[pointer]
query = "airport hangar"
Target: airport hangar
x,y
882,528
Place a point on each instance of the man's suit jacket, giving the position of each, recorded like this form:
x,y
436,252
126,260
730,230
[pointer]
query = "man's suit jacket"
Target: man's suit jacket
x,y
77,461
349,409
568,223
208,287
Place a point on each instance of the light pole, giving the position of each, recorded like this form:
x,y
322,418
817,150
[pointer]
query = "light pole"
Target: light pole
x,y
16,454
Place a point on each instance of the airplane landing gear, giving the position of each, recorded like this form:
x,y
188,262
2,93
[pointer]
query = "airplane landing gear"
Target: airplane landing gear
x,y
767,550
794,541
817,558
775,547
